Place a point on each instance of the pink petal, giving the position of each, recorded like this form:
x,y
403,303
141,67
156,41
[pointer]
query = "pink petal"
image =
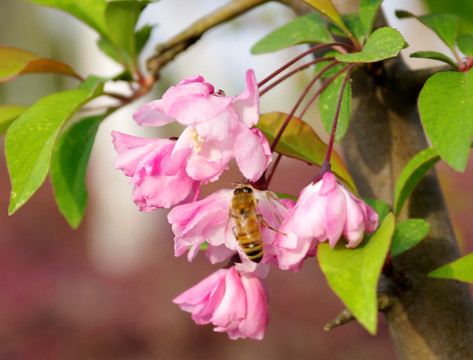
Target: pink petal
x,y
335,215
201,291
257,317
252,153
247,103
233,306
152,114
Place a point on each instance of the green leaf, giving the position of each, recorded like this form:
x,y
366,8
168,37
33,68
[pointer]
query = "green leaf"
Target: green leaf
x,y
109,49
465,44
368,12
300,141
446,110
382,44
434,55
14,62
121,18
354,25
30,140
8,113
69,162
353,273
444,25
286,196
327,8
461,269
305,29
328,104
407,234
410,176
90,12
463,8
142,37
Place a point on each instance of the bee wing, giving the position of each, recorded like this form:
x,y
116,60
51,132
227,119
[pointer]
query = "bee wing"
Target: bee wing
x,y
229,232
276,207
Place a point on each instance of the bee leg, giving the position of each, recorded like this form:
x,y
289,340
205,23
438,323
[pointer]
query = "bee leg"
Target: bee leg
x,y
266,225
234,232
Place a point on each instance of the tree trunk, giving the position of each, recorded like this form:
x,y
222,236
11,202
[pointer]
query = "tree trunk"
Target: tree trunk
x,y
430,318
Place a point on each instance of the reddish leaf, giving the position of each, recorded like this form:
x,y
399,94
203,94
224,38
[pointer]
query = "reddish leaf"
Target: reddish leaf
x,y
300,141
14,62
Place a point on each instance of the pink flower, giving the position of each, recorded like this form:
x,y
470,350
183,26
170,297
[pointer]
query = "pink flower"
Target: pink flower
x,y
325,211
208,220
160,182
219,127
233,303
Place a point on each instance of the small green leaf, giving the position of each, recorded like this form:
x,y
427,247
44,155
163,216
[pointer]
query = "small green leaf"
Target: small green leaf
x,y
300,141
354,25
120,18
407,234
90,12
69,162
142,37
382,44
444,25
434,55
286,196
14,62
353,273
463,8
461,269
93,84
465,44
368,12
30,139
8,113
327,8
446,111
410,176
328,103
305,29
109,49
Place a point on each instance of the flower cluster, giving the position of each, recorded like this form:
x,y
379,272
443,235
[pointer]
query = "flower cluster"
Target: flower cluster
x,y
168,173
218,129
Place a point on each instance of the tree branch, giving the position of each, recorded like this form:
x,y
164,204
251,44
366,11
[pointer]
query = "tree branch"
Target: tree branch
x,y
169,50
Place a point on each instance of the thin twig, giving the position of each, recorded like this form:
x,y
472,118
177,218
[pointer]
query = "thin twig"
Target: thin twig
x,y
289,74
346,316
304,93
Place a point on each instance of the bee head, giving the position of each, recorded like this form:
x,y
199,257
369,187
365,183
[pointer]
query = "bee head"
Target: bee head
x,y
245,189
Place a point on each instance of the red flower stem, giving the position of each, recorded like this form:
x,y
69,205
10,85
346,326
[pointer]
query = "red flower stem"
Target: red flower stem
x,y
320,90
304,93
326,164
271,172
300,56
281,79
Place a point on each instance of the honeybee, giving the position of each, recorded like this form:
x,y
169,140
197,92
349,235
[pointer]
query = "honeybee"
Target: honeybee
x,y
247,228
